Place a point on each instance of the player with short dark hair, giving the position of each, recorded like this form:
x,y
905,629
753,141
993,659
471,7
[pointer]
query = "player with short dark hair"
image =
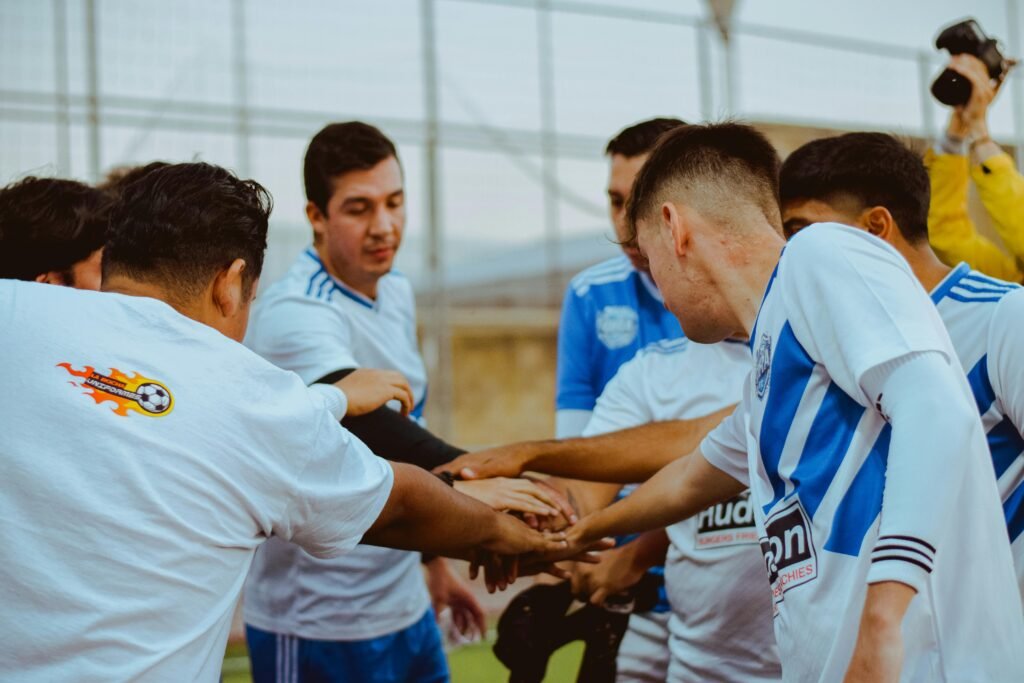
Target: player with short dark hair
x,y
130,529
857,433
983,315
340,307
52,230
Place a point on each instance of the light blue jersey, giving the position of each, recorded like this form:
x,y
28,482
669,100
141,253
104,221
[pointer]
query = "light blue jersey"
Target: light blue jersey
x,y
610,311
987,329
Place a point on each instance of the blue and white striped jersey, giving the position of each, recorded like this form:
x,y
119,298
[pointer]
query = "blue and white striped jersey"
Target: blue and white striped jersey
x,y
312,324
986,324
815,451
610,312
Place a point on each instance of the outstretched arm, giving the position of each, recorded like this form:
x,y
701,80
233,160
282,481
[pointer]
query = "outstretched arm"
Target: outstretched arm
x,y
422,513
680,490
621,457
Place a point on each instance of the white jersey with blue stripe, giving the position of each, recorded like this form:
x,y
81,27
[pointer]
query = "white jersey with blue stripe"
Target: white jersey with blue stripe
x,y
313,324
814,449
986,325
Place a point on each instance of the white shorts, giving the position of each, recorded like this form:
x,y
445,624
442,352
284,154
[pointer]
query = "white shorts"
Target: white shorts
x,y
644,654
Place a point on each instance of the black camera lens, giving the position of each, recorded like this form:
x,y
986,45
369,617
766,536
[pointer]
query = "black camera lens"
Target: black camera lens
x,y
951,89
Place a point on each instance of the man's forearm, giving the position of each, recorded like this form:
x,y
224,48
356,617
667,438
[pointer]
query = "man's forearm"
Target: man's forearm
x,y
680,490
425,514
625,456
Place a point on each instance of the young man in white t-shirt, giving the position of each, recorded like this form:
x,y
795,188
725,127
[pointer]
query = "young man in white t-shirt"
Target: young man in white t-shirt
x,y
857,433
873,182
131,521
365,616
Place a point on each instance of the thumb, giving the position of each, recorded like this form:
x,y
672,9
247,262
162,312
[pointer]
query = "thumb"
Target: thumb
x,y
467,473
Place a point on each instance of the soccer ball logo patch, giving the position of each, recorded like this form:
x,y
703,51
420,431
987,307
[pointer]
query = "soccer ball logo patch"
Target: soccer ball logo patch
x,y
134,392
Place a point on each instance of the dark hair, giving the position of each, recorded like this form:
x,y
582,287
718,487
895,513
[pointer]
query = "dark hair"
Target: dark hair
x,y
121,176
639,138
178,225
874,169
338,149
731,161
49,224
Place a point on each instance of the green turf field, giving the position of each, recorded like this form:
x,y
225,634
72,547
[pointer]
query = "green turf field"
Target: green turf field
x,y
470,664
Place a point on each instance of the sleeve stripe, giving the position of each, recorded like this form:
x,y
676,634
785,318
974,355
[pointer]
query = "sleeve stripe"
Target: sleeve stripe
x,y
885,558
911,539
903,548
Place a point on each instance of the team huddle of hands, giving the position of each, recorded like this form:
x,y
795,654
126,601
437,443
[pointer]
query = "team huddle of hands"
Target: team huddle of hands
x,y
540,529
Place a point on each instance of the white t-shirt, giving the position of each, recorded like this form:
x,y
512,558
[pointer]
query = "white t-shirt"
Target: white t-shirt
x,y
985,320
814,450
145,457
721,624
310,323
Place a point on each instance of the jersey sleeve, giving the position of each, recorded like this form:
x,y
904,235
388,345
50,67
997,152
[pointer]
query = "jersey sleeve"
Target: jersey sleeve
x,y
725,447
338,495
1006,357
622,404
854,304
303,335
575,382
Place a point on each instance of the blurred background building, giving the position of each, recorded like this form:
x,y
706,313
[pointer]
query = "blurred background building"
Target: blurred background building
x,y
501,109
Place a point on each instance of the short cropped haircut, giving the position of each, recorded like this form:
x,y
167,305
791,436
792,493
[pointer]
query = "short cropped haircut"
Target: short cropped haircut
x,y
639,138
718,165
338,149
179,225
873,169
49,224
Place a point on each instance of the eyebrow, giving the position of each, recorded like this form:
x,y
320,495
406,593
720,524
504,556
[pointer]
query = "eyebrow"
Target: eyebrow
x,y
366,200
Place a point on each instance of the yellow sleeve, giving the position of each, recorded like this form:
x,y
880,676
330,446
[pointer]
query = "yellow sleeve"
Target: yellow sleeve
x,y
1001,189
951,232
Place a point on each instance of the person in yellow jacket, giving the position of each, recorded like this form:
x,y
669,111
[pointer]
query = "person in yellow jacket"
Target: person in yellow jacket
x,y
967,152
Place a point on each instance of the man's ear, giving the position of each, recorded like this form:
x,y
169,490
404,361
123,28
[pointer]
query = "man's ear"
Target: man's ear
x,y
229,291
317,220
51,277
879,222
673,220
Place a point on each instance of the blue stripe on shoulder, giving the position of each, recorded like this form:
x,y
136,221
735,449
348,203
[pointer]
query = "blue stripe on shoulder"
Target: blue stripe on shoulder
x,y
1013,508
1006,445
791,369
981,387
981,278
862,502
827,442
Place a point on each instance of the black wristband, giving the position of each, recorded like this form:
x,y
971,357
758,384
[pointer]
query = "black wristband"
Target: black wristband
x,y
447,477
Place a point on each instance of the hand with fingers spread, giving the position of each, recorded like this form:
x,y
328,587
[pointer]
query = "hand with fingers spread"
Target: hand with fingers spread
x,y
368,389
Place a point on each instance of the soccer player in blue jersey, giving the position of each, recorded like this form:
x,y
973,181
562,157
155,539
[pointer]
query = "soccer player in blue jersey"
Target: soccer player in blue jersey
x,y
613,309
873,182
857,433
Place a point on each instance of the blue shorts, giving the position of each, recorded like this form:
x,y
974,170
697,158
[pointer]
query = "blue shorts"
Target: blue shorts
x,y
412,655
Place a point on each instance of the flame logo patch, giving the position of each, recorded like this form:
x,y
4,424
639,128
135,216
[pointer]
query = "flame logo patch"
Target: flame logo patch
x,y
136,393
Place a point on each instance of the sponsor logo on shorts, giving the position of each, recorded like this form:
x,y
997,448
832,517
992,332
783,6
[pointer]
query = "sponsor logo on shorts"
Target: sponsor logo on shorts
x,y
134,393
788,549
617,326
727,524
763,365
